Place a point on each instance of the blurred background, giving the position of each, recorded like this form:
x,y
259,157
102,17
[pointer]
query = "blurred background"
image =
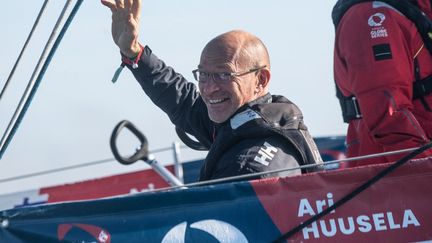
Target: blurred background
x,y
72,115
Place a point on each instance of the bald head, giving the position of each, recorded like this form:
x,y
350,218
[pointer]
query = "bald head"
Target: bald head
x,y
242,56
238,47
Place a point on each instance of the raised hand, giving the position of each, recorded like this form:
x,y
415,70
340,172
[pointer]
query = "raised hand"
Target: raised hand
x,y
125,24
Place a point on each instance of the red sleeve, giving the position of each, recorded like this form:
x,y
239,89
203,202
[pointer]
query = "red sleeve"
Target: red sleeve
x,y
374,61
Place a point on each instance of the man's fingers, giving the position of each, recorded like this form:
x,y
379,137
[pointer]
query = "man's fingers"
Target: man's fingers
x,y
110,4
120,4
127,4
136,8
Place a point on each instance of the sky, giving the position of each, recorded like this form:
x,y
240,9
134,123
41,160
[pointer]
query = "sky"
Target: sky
x,y
71,117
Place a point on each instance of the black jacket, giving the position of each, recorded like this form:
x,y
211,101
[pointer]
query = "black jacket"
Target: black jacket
x,y
264,135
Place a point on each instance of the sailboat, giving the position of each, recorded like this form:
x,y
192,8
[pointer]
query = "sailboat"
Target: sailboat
x,y
376,203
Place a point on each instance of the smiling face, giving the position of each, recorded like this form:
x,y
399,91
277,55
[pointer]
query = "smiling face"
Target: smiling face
x,y
227,54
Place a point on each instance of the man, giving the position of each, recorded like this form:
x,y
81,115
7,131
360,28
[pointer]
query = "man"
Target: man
x,y
379,58
245,128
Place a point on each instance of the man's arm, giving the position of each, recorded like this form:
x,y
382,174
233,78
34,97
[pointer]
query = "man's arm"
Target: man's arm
x,y
166,88
177,97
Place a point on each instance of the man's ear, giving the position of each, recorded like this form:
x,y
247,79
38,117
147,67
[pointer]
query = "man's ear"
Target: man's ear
x,y
264,78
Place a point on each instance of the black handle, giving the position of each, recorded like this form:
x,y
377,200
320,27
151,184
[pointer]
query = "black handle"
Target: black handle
x,y
141,154
189,141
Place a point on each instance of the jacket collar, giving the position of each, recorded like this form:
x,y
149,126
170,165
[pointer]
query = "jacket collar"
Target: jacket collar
x,y
265,99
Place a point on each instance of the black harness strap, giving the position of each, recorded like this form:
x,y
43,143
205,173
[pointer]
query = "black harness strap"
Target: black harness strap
x,y
350,106
421,87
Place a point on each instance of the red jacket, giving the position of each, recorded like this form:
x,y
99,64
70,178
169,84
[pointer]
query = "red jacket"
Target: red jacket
x,y
374,56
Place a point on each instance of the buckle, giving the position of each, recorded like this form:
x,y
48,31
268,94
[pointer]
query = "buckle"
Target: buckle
x,y
356,106
350,109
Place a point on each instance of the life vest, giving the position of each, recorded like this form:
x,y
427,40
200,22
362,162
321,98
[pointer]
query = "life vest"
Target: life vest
x,y
278,118
421,87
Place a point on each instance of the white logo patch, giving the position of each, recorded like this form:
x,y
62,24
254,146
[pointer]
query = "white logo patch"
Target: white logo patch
x,y
266,154
382,32
103,237
376,20
243,117
222,231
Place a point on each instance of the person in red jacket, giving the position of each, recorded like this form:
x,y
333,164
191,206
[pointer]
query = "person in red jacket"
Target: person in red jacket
x,y
378,56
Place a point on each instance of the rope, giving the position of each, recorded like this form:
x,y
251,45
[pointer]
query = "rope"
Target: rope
x,y
254,175
20,177
222,180
86,164
41,11
33,85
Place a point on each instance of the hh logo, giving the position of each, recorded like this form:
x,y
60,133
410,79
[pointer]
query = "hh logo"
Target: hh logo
x,y
265,154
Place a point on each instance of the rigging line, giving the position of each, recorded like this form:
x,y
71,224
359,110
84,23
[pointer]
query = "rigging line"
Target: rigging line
x,y
33,84
41,11
55,170
86,164
254,175
226,179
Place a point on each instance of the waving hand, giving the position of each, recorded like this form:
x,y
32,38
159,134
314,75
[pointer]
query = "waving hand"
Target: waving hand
x,y
125,24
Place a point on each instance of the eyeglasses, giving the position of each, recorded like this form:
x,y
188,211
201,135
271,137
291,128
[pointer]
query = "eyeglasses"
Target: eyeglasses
x,y
220,78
